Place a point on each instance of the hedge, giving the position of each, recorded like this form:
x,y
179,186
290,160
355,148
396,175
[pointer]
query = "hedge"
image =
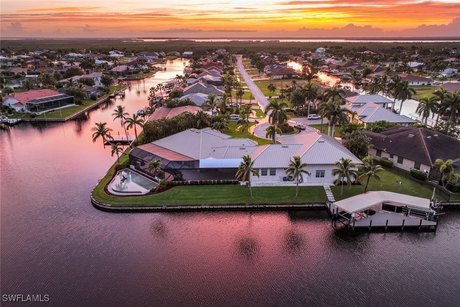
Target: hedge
x,y
418,174
385,162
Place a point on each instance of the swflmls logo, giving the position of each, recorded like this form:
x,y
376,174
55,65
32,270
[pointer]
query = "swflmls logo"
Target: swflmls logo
x,y
24,298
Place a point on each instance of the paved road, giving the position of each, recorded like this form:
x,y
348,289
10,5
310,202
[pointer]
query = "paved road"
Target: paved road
x,y
256,92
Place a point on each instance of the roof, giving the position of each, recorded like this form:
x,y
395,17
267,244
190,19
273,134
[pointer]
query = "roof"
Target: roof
x,y
25,97
164,112
198,98
413,78
451,86
199,87
367,200
371,113
363,99
416,144
159,151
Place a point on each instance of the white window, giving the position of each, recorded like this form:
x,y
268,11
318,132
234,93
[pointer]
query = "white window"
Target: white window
x,y
263,172
273,172
320,173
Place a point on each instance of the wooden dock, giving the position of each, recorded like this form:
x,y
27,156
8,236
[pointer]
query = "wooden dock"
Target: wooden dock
x,y
120,140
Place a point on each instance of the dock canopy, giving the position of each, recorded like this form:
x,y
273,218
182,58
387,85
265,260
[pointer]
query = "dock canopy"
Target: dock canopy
x,y
367,200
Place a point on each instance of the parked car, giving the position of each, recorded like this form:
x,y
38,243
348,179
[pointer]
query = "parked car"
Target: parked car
x,y
234,117
292,123
300,127
313,116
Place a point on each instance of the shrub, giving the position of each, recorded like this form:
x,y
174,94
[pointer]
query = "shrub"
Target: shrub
x,y
417,174
385,162
285,128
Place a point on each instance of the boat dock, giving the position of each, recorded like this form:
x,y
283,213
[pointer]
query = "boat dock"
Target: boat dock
x,y
120,140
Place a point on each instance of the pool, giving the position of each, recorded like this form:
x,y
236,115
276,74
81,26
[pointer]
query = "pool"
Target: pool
x,y
129,182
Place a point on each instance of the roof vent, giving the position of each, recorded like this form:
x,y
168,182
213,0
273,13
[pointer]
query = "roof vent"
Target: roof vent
x,y
411,135
284,146
242,148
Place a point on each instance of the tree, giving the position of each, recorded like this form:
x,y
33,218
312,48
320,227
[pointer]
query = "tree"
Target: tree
x,y
101,131
345,170
107,81
211,103
116,149
271,88
277,114
441,95
296,169
271,132
245,170
119,113
369,170
427,106
154,167
133,122
452,107
78,93
334,93
446,168
402,91
356,142
335,114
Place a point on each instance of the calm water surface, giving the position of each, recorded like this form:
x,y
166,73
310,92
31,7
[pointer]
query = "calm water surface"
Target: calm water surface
x,y
54,242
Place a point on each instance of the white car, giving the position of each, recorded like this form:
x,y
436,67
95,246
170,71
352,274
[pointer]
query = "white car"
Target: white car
x,y
313,116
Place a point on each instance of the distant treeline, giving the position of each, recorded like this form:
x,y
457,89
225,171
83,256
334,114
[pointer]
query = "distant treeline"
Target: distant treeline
x,y
104,45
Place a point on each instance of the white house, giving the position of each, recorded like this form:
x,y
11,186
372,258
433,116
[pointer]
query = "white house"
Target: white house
x,y
449,72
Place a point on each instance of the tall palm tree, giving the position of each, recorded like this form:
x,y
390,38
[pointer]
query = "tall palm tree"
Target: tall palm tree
x,y
133,122
452,107
211,103
296,169
369,169
116,149
311,93
333,111
101,131
403,92
441,95
445,169
119,113
427,106
345,169
277,114
245,170
334,93
271,132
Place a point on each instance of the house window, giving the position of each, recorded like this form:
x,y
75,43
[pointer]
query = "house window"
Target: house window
x,y
391,156
379,153
417,165
320,173
400,160
263,172
273,172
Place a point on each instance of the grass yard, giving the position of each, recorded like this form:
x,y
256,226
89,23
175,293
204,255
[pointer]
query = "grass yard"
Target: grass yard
x,y
238,131
424,91
390,179
337,132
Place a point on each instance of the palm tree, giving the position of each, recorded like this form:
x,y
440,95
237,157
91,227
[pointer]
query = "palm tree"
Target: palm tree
x,y
334,93
345,169
271,132
441,95
101,131
211,103
154,167
277,112
245,170
368,170
445,169
403,92
116,149
452,107
427,106
333,111
296,169
271,88
311,93
119,112
133,122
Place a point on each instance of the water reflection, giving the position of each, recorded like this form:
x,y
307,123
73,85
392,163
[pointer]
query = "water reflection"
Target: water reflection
x,y
293,242
248,247
158,229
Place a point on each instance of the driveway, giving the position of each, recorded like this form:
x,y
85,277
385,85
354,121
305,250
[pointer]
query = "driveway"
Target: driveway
x,y
256,92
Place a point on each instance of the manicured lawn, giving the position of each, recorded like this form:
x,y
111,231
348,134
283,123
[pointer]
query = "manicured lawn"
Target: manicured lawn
x,y
238,131
424,91
390,179
246,95
259,113
337,132
262,84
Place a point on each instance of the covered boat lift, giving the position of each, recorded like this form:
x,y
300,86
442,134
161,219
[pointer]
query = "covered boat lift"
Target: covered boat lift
x,y
382,209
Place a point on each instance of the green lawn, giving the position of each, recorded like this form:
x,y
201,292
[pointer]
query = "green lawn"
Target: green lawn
x,y
390,179
424,91
259,113
337,132
237,131
246,95
262,84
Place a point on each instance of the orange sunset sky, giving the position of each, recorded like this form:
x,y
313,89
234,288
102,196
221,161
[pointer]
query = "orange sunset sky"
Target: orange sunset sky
x,y
230,18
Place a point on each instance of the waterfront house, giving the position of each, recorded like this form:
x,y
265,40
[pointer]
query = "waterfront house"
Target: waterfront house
x,y
410,147
37,100
199,98
164,112
358,101
203,88
209,154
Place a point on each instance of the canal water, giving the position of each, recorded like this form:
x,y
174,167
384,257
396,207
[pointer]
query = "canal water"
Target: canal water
x,y
54,242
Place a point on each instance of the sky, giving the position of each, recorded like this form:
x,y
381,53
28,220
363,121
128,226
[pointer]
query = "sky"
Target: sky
x,y
229,18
